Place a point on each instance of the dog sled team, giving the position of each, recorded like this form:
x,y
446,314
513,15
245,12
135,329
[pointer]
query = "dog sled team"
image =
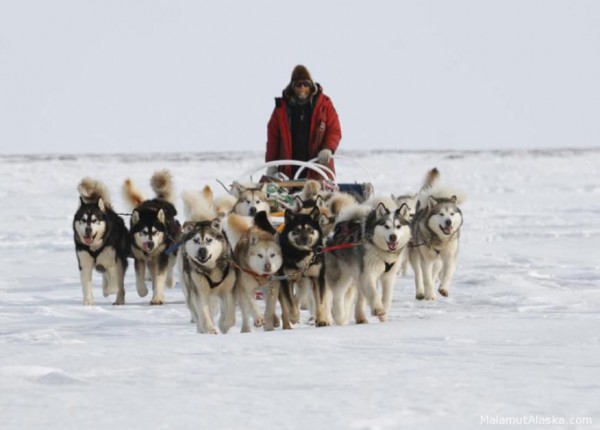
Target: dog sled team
x,y
332,255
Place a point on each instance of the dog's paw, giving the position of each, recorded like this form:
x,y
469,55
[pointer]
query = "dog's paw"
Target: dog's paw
x,y
141,289
119,302
259,322
362,321
378,312
157,301
322,323
287,326
88,302
276,321
212,330
443,292
383,318
420,296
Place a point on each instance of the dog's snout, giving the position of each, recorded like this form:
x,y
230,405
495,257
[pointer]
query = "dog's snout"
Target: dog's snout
x,y
252,211
88,231
393,238
150,245
267,267
202,253
448,223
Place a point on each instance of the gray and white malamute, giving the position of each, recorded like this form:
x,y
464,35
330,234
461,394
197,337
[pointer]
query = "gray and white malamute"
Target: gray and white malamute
x,y
153,230
101,241
258,258
251,198
435,233
205,264
371,238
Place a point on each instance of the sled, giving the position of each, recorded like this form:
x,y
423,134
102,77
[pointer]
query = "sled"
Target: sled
x,y
280,189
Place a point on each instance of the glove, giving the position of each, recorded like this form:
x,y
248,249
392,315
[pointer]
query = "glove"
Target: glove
x,y
324,156
272,171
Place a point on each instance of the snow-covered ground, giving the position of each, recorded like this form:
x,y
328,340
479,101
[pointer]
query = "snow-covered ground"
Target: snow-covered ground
x,y
518,337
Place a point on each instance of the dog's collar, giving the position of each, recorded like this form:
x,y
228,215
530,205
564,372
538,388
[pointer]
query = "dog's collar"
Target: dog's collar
x,y
211,283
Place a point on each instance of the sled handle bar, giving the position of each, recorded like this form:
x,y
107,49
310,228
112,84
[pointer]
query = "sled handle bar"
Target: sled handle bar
x,y
337,157
321,170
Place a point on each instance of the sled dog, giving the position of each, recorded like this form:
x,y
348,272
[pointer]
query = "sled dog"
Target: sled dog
x,y
153,230
205,266
371,238
435,233
301,242
258,258
101,241
251,198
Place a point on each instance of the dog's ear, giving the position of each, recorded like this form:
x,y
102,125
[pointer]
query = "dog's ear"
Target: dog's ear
x,y
81,202
319,201
431,202
315,214
161,216
264,188
403,211
453,199
261,220
237,189
216,224
289,216
135,217
101,205
298,203
325,221
382,210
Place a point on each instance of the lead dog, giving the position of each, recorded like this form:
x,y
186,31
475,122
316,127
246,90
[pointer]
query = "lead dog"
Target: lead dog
x,y
101,241
435,234
258,258
153,230
205,265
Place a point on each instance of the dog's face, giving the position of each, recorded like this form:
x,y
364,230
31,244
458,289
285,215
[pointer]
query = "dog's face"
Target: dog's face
x,y
89,223
264,256
445,217
148,229
303,230
250,201
204,243
391,231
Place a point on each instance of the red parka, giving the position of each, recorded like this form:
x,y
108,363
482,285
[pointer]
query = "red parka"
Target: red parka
x,y
325,132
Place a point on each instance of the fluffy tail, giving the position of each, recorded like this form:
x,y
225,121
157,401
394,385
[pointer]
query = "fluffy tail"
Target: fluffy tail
x,y
236,225
162,184
431,179
132,194
197,206
91,190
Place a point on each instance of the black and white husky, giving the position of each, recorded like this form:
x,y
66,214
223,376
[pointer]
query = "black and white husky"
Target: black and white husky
x,y
365,250
153,231
101,241
205,266
301,242
435,233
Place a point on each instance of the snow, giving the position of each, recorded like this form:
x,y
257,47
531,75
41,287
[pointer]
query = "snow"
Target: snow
x,y
518,336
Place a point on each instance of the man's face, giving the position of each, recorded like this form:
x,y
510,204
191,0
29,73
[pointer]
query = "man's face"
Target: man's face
x,y
302,89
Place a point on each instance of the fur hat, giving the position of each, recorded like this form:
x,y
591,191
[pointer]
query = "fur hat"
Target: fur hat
x,y
301,73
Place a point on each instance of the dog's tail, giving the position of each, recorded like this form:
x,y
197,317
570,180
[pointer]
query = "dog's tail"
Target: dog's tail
x,y
132,194
311,190
431,187
162,184
236,225
92,190
198,205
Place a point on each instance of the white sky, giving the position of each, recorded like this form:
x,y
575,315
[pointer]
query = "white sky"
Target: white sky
x,y
136,76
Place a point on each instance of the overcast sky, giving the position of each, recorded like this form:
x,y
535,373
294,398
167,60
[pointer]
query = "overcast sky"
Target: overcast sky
x,y
149,75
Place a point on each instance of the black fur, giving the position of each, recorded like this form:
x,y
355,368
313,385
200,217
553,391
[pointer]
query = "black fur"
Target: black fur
x,y
148,217
294,256
115,235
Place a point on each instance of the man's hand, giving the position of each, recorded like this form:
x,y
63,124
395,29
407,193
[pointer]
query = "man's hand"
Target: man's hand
x,y
325,156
